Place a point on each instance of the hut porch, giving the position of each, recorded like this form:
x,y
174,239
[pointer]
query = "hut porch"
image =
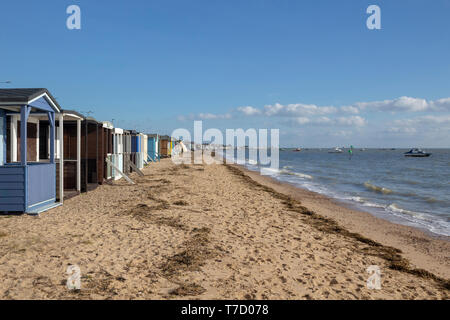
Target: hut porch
x,y
29,185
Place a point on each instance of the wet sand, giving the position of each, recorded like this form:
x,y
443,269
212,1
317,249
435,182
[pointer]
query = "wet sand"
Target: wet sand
x,y
214,232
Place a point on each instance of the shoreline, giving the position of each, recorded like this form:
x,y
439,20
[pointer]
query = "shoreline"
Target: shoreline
x,y
424,249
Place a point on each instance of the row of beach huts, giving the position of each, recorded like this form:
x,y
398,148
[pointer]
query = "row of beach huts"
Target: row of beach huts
x,y
48,154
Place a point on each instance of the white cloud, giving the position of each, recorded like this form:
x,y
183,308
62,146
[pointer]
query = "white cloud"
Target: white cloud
x,y
323,120
407,130
355,121
204,116
341,133
249,110
424,120
402,104
297,110
349,109
423,124
211,116
406,104
441,104
302,120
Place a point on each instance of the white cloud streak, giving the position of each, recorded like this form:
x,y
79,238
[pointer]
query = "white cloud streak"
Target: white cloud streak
x,y
422,124
352,121
205,116
297,110
249,110
406,104
424,120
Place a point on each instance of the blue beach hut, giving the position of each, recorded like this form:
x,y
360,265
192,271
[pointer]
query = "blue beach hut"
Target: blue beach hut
x,y
153,147
135,147
27,186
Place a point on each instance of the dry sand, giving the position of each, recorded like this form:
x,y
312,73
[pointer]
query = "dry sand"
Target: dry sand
x,y
212,232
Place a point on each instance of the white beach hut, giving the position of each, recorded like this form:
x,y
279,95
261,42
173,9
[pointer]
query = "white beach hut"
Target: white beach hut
x,y
118,151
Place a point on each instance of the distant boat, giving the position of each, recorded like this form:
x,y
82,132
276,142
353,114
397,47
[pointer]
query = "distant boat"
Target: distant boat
x,y
298,150
336,150
417,153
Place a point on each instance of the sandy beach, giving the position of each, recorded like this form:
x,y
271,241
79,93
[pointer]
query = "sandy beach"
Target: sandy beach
x,y
215,232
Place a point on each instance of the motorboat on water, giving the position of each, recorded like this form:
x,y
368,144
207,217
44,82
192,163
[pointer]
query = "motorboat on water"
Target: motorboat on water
x,y
418,153
298,150
336,150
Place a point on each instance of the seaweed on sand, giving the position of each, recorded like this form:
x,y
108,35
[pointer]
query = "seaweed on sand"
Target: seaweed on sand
x,y
145,213
181,203
194,254
188,289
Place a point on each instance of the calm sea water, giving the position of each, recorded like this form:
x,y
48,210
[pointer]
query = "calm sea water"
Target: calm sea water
x,y
411,191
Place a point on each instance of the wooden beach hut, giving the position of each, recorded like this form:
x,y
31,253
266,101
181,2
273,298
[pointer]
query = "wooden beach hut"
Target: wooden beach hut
x,y
107,146
135,147
166,144
92,165
73,172
67,151
126,151
68,164
26,183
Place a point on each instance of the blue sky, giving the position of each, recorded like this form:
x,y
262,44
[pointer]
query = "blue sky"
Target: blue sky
x,y
310,68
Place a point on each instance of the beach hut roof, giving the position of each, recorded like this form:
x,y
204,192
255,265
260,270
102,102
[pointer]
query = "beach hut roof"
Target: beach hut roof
x,y
17,97
72,114
108,125
91,119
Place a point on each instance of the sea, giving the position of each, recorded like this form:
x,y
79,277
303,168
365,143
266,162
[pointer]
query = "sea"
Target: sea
x,y
383,182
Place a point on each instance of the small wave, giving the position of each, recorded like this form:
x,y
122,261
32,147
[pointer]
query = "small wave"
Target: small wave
x,y
357,199
373,205
394,208
298,174
424,220
269,171
378,189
